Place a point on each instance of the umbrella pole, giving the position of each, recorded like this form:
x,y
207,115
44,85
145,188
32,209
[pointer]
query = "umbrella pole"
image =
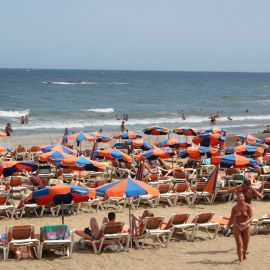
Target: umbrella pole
x,y
62,210
130,224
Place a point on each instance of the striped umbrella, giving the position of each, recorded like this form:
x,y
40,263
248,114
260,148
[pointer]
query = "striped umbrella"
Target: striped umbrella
x,y
155,154
233,160
111,154
154,130
83,163
61,194
246,150
127,136
249,139
58,147
185,131
173,143
9,167
54,156
209,139
213,130
99,137
142,144
198,152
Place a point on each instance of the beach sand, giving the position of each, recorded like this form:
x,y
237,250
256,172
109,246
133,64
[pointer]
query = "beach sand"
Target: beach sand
x,y
203,253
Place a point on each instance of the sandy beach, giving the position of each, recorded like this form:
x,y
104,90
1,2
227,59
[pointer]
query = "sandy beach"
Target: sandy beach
x,y
203,253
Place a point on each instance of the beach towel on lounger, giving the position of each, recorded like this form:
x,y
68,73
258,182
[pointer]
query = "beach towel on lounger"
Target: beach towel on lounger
x,y
55,232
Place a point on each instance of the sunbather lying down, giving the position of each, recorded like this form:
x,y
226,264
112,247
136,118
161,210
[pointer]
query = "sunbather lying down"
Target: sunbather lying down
x,y
96,232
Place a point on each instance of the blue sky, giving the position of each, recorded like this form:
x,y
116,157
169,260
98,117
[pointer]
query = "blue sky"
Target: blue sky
x,y
187,35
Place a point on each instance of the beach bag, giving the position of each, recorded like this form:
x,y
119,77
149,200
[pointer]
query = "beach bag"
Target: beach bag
x,y
23,252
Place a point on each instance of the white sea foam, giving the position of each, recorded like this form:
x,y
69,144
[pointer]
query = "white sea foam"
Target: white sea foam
x,y
83,83
105,110
14,113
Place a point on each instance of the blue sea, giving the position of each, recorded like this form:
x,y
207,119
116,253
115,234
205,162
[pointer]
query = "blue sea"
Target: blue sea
x,y
90,99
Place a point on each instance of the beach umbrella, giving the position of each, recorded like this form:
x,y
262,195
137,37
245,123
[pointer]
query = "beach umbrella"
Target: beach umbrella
x,y
58,147
54,156
126,188
185,131
4,150
129,135
99,137
233,160
209,139
198,152
154,154
61,194
249,139
246,150
140,143
154,130
9,167
111,154
80,136
173,143
83,163
267,140
213,130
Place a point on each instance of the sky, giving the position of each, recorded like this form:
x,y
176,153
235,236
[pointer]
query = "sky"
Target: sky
x,y
184,35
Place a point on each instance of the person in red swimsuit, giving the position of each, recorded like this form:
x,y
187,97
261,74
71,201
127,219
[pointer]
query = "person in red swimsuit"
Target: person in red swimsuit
x,y
241,217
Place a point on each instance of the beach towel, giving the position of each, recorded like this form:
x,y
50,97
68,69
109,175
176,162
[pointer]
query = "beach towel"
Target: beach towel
x,y
55,232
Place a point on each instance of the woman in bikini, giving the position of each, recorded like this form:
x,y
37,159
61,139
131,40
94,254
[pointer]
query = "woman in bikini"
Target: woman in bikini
x,y
241,217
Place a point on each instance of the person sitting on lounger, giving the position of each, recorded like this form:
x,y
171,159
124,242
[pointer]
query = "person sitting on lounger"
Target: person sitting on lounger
x,y
94,224
138,222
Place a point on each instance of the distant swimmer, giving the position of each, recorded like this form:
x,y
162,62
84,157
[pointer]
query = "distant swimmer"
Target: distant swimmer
x,y
183,116
22,120
229,118
246,110
217,114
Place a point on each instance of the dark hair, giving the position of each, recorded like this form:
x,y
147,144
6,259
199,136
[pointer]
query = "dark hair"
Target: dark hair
x,y
240,193
111,216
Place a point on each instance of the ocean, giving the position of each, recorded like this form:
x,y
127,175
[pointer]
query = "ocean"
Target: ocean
x,y
90,99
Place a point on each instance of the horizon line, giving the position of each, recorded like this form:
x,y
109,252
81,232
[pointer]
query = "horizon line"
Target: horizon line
x,y
133,70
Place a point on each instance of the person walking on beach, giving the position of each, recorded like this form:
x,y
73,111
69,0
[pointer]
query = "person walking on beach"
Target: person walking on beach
x,y
241,217
8,129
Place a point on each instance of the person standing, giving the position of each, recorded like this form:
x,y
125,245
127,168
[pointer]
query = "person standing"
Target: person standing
x,y
241,217
26,119
22,120
122,126
8,129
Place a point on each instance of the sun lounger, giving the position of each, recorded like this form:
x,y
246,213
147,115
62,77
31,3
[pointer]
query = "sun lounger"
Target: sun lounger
x,y
56,237
182,190
152,229
166,195
23,208
180,226
22,235
203,222
110,233
261,224
6,208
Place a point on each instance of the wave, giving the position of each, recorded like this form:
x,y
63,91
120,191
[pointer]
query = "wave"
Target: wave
x,y
14,113
105,110
83,83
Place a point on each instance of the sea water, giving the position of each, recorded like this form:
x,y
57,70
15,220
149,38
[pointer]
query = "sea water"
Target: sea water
x,y
90,99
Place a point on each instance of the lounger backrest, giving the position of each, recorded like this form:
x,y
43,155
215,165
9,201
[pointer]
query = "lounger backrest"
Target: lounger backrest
x,y
3,200
112,228
20,232
266,184
179,219
181,175
153,177
15,181
180,187
153,223
163,188
203,218
34,149
54,232
44,200
78,198
200,186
